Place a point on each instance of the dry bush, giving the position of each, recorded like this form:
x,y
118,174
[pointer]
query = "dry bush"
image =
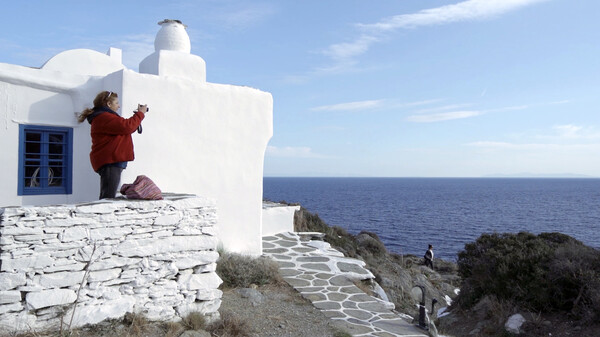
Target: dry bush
x,y
194,321
240,271
137,324
229,326
173,329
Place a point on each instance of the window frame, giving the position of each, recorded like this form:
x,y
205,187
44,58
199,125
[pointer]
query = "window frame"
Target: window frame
x,y
66,163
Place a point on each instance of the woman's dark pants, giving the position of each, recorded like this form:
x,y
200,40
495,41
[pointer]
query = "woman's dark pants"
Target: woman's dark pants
x,y
110,176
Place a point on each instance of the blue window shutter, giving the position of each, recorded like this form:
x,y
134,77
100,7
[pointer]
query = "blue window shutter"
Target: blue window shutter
x,y
45,160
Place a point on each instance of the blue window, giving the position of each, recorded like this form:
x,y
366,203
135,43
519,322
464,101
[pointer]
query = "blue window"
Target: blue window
x,y
45,160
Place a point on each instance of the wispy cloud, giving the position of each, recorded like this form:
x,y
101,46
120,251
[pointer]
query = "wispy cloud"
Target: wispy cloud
x,y
444,108
491,145
439,114
351,106
292,152
470,10
238,18
570,131
443,116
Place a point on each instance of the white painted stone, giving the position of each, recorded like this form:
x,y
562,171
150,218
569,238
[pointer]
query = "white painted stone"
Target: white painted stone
x,y
514,323
170,301
69,222
91,253
10,281
159,313
98,208
113,262
162,234
104,275
156,291
31,288
61,279
199,281
14,246
100,234
12,211
126,289
13,307
149,247
201,307
63,253
10,296
35,237
211,267
196,259
27,263
195,202
188,231
58,246
143,230
48,298
22,252
130,273
6,240
111,293
70,266
210,230
22,321
167,220
21,230
74,234
208,294
141,290
92,314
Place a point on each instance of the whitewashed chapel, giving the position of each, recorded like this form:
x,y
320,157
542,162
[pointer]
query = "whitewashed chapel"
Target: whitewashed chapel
x,y
201,138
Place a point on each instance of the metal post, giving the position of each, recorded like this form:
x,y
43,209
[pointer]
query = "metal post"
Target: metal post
x,y
422,313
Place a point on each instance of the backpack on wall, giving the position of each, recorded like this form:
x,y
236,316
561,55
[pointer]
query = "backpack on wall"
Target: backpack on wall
x,y
142,188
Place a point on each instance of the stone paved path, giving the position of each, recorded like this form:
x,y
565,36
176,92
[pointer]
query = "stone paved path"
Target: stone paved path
x,y
324,276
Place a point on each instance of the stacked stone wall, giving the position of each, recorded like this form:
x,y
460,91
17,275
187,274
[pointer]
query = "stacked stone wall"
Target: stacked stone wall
x,y
101,260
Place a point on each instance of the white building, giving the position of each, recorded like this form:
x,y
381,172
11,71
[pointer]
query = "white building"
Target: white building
x,y
198,137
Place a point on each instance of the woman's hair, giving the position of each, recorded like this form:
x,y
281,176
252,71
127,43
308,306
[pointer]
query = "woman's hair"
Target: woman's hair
x,y
101,100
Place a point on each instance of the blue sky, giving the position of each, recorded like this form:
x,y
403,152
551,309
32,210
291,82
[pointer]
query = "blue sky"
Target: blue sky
x,y
404,88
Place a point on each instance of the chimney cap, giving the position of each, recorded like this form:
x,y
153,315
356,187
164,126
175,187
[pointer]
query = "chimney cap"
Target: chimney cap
x,y
171,20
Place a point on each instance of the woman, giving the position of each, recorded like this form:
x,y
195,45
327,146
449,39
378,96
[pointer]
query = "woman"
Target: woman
x,y
112,146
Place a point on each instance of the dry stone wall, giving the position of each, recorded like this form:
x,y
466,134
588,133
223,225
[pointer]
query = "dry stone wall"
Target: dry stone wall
x,y
86,263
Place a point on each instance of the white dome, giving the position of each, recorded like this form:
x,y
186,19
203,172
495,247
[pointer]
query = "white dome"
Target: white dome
x,y
172,36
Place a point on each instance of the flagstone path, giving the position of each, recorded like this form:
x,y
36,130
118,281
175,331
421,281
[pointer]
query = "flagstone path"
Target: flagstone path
x,y
325,276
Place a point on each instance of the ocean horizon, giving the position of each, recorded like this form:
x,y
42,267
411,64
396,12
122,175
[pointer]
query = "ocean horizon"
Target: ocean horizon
x,y
410,213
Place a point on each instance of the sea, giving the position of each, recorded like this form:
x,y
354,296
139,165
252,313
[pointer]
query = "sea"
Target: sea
x,y
408,214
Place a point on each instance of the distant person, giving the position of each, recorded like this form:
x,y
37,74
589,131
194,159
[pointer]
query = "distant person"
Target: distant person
x,y
429,257
112,145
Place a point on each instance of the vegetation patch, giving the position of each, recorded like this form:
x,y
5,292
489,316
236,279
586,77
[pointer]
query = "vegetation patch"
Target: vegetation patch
x,y
241,271
550,272
229,325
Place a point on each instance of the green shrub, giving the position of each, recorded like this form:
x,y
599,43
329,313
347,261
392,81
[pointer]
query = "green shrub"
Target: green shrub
x,y
240,271
338,237
548,272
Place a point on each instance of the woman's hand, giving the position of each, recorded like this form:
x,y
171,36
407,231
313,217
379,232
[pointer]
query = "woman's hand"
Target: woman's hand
x,y
142,108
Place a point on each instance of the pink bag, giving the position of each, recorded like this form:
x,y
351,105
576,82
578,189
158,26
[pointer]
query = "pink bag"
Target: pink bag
x,y
142,188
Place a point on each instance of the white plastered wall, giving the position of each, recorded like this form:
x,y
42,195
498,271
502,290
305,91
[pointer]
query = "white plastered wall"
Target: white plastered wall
x,y
49,98
207,139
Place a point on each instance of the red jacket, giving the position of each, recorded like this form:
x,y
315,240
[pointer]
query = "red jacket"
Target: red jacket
x,y
111,138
